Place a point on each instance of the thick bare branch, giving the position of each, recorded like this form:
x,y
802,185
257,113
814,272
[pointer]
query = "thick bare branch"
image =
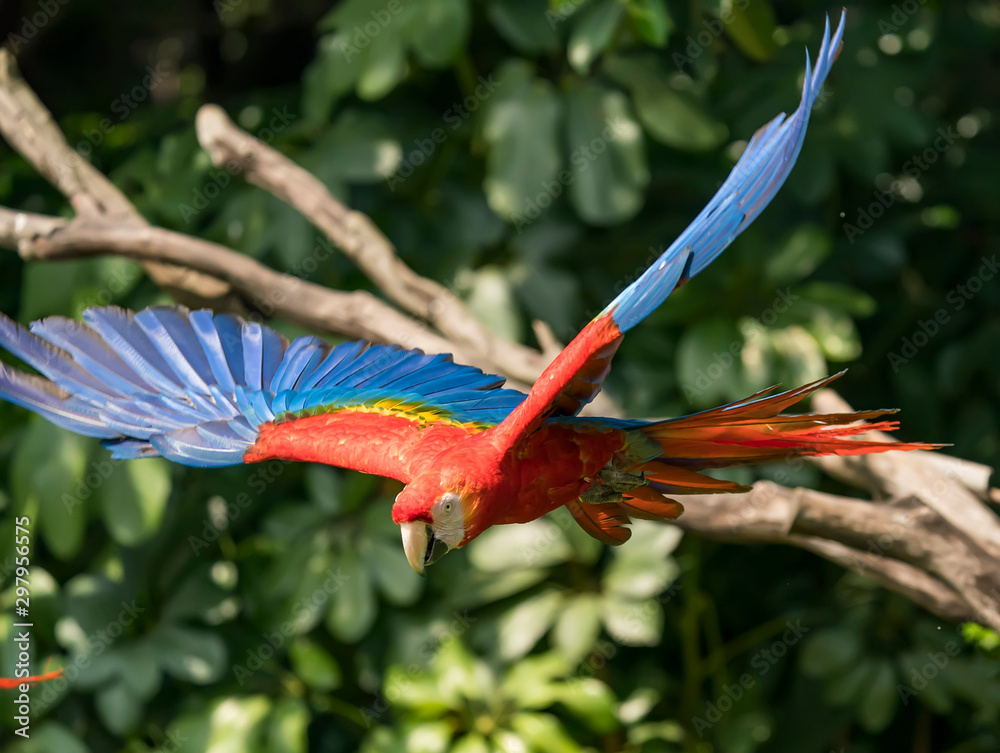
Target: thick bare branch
x,y
902,544
955,489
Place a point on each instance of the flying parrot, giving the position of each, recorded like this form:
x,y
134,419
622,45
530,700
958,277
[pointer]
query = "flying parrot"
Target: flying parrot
x,y
206,389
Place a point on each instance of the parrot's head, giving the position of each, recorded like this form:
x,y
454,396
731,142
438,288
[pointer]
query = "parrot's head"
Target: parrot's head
x,y
444,508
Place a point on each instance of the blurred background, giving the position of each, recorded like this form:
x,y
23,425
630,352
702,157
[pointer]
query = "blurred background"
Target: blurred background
x,y
269,608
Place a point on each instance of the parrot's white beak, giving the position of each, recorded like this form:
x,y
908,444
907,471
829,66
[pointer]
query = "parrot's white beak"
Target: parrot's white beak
x,y
416,536
422,545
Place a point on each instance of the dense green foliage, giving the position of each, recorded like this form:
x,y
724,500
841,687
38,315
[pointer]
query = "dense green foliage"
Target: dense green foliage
x,y
533,158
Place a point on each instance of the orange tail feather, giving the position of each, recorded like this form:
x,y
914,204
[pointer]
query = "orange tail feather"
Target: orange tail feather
x,y
750,431
12,682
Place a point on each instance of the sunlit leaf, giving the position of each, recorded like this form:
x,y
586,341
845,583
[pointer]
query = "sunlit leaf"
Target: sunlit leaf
x,y
606,155
593,28
652,20
670,116
522,626
520,129
134,497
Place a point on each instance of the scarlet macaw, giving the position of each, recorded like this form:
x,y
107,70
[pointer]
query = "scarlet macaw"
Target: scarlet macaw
x,y
213,390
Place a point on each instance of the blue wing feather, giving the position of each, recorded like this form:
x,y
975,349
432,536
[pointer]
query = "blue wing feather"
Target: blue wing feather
x,y
194,387
753,182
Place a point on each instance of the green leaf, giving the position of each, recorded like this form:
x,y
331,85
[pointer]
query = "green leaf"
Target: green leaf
x,y
544,732
328,77
231,725
353,608
429,737
836,334
877,707
799,255
652,20
669,116
419,693
359,147
392,573
119,708
535,681
521,132
593,30
933,693
312,664
523,626
829,651
471,743
844,688
190,654
855,302
634,623
524,25
592,702
540,543
578,626
133,498
51,484
440,30
708,361
287,725
607,155
383,65
491,300
50,736
639,577
325,488
751,26
139,669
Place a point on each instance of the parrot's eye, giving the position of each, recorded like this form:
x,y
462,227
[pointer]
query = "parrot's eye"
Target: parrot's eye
x,y
447,506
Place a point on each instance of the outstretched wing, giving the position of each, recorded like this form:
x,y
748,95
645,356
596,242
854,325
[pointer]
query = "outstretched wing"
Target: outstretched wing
x,y
212,390
576,375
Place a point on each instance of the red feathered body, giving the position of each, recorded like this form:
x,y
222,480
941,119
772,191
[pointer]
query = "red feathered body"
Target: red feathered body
x,y
604,471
